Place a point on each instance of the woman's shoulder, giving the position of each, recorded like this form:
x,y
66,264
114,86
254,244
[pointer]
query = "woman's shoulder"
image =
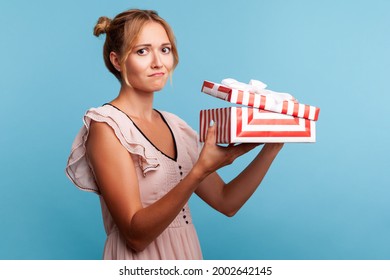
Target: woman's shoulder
x,y
108,114
103,110
78,169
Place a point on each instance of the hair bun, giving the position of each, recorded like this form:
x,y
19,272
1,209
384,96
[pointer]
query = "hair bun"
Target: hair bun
x,y
101,26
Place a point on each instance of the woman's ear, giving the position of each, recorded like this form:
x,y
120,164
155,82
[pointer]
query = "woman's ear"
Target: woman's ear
x,y
115,61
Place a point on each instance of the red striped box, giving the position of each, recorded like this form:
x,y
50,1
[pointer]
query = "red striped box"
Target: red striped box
x,y
263,102
251,125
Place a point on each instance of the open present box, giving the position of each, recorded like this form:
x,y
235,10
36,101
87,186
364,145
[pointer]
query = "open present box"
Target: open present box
x,y
264,121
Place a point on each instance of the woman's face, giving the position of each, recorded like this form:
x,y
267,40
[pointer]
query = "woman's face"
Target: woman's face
x,y
150,61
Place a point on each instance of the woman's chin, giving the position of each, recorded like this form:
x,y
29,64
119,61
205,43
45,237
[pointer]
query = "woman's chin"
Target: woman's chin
x,y
158,86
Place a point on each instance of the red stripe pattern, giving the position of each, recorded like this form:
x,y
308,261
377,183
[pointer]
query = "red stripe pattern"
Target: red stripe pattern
x,y
263,102
251,125
221,117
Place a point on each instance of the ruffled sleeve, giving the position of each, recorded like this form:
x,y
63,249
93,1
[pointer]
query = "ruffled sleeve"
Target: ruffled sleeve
x,y
78,168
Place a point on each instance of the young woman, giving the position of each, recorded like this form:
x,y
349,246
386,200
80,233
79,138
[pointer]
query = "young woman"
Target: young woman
x,y
145,164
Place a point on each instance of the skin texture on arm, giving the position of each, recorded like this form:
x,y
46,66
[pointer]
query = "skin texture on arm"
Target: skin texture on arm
x,y
229,198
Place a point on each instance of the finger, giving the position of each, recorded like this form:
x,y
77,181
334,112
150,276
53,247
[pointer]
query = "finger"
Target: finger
x,y
211,133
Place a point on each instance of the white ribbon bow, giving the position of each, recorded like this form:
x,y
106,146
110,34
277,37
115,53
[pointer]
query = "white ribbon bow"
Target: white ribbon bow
x,y
258,87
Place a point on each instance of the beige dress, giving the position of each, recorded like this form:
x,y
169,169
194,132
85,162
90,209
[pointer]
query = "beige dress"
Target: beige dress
x,y
157,174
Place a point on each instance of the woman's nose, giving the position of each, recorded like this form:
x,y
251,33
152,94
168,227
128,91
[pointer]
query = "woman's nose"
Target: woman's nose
x,y
156,63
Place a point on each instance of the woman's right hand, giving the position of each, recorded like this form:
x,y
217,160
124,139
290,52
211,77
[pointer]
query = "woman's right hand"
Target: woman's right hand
x,y
213,156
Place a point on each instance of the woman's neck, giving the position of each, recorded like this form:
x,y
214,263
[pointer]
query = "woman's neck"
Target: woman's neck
x,y
134,103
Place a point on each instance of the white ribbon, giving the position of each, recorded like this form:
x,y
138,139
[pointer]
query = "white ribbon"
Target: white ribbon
x,y
258,87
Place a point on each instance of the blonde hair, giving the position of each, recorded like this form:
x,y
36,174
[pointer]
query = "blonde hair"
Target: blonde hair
x,y
121,34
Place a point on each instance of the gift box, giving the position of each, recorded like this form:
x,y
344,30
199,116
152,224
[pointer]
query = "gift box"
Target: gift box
x,y
251,125
270,117
262,101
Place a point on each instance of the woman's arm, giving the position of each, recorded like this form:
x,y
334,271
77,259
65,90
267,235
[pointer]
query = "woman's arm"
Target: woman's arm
x,y
229,198
117,180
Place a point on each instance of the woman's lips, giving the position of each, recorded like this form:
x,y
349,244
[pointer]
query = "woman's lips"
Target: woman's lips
x,y
158,74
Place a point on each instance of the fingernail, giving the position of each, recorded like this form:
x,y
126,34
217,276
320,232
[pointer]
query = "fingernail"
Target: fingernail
x,y
212,123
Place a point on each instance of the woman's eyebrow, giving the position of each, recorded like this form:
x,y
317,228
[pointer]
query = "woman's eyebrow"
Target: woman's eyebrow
x,y
149,45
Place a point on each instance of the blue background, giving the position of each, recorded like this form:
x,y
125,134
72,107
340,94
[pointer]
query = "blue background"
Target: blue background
x,y
328,200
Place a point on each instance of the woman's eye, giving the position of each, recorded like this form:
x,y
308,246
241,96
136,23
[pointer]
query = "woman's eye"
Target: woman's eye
x,y
166,50
142,52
